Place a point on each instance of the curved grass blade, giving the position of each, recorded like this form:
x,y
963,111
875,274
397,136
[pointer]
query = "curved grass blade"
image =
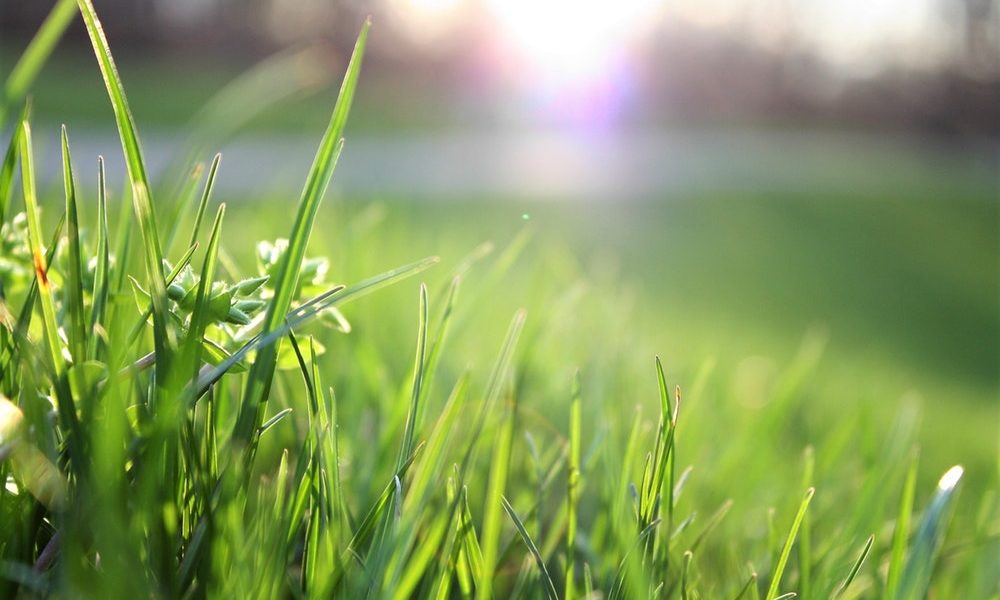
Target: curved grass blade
x,y
857,567
779,569
550,586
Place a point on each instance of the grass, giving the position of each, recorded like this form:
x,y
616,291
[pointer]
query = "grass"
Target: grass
x,y
226,421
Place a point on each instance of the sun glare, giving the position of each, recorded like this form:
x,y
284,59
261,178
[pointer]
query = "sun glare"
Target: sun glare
x,y
570,39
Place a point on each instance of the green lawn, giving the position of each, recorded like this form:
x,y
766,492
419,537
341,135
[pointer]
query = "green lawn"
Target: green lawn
x,y
492,423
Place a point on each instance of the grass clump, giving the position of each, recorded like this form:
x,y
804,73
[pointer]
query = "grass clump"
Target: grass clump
x,y
185,433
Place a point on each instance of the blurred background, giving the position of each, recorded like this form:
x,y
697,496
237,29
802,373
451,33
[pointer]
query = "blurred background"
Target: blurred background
x,y
744,174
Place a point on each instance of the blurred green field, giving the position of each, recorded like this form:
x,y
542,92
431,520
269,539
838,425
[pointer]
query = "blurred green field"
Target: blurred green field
x,y
902,291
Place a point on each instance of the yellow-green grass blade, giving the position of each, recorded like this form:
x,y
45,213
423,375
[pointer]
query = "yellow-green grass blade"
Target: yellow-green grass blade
x,y
492,511
902,530
259,379
38,51
786,550
51,327
199,318
181,203
65,406
420,490
74,282
805,534
550,586
406,447
100,291
10,163
142,202
203,204
573,488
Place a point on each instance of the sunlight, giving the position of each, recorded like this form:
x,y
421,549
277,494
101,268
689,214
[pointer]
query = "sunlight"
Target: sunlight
x,y
574,40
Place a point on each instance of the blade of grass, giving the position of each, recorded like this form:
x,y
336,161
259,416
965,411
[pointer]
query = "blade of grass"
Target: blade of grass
x,y
38,51
492,523
902,531
779,569
857,567
10,163
550,586
406,447
64,404
142,202
259,379
100,291
74,283
573,487
916,576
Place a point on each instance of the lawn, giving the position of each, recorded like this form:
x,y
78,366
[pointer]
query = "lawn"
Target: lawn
x,y
494,421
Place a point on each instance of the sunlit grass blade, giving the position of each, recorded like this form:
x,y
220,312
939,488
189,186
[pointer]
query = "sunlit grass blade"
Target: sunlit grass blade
x,y
142,202
180,203
805,532
857,567
199,317
927,540
64,404
35,55
406,447
74,283
10,163
213,170
549,585
779,568
259,379
420,489
573,488
902,530
492,523
101,288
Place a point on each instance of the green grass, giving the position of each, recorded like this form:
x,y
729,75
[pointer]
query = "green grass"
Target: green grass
x,y
242,419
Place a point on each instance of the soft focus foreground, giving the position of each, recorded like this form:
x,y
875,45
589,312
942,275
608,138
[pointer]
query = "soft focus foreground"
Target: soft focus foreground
x,y
500,429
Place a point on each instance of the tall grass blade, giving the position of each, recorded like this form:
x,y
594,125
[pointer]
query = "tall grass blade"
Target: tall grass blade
x,y
38,51
142,202
573,487
779,569
74,283
259,379
902,530
101,273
